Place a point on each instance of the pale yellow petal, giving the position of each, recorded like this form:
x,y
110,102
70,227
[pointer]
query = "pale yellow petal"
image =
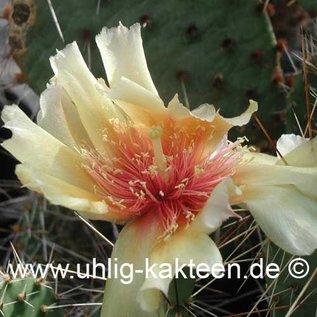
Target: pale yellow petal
x,y
186,247
206,116
120,298
304,179
245,117
61,193
216,210
289,142
85,91
32,145
141,105
260,158
304,155
283,198
287,217
123,56
177,110
59,116
205,112
223,125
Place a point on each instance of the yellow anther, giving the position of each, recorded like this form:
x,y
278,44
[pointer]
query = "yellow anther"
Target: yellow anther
x,y
198,171
153,170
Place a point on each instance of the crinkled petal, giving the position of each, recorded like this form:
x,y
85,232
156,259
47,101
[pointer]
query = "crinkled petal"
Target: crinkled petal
x,y
304,155
183,117
177,110
85,91
222,125
304,179
59,116
245,117
120,298
182,248
123,56
208,113
138,103
32,145
205,112
287,217
61,193
282,197
288,142
55,170
217,208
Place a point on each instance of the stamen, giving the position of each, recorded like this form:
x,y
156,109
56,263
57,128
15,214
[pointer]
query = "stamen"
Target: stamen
x,y
189,216
198,171
172,174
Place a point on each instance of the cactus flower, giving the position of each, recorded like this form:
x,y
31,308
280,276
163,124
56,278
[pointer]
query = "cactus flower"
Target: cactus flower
x,y
113,151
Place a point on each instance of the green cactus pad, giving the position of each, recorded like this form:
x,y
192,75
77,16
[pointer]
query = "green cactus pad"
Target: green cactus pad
x,y
27,297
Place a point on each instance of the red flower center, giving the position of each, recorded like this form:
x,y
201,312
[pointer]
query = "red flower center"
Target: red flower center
x,y
168,171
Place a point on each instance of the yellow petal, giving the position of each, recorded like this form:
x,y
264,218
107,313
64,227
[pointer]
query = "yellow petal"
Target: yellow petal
x,y
60,118
133,245
283,198
194,120
216,210
32,145
188,247
304,179
205,112
93,108
245,117
287,217
141,105
304,155
223,125
208,114
177,110
260,158
61,193
55,170
289,142
123,56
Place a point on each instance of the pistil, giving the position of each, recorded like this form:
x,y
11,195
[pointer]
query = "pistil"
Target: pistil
x,y
155,135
